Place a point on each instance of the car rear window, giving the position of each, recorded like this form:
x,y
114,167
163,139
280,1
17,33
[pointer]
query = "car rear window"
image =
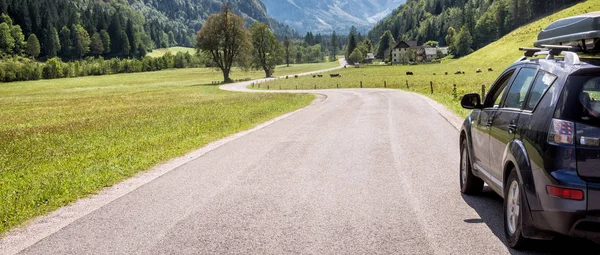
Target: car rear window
x,y
581,100
543,81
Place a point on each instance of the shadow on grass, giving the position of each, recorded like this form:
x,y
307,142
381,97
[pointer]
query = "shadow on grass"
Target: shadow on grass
x,y
489,206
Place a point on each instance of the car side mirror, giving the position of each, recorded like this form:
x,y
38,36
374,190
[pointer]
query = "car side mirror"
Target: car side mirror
x,y
471,101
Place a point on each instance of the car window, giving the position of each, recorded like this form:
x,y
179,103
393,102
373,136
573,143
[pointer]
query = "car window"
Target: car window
x,y
541,84
581,100
497,91
515,98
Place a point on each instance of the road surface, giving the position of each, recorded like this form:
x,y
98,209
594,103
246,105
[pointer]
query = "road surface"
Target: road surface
x,y
357,172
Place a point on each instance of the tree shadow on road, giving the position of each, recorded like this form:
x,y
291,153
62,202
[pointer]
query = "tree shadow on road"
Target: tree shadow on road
x,y
489,206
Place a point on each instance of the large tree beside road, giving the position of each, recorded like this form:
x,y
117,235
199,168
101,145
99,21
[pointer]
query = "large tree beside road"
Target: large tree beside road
x,y
267,51
225,39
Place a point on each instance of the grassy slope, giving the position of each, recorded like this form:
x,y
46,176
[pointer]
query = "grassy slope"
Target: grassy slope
x,y
67,138
498,55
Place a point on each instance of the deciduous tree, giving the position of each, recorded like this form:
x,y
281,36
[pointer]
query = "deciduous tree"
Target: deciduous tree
x,y
267,51
226,40
7,42
463,42
33,46
356,56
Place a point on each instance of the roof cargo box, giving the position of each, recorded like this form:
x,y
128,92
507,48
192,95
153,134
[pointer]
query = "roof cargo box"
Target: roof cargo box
x,y
582,30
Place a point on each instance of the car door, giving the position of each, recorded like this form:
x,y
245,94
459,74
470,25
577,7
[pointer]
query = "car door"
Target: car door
x,y
504,122
480,133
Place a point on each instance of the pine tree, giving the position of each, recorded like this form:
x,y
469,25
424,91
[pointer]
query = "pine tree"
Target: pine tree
x,y
33,46
105,41
287,44
384,43
130,31
117,35
124,44
351,41
334,44
52,43
66,43
141,51
96,46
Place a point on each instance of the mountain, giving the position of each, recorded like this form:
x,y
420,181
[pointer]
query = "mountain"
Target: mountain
x,y
325,16
187,16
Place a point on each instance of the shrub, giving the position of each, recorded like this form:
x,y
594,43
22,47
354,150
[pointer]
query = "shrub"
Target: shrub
x,y
52,69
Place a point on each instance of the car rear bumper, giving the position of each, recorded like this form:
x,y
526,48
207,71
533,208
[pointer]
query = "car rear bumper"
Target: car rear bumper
x,y
568,223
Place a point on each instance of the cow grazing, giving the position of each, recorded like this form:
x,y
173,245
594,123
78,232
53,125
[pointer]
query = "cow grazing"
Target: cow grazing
x,y
410,73
458,72
478,70
295,76
314,76
433,73
490,69
446,73
335,75
320,75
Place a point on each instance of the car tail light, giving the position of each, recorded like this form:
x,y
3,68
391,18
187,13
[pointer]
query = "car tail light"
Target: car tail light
x,y
573,194
561,132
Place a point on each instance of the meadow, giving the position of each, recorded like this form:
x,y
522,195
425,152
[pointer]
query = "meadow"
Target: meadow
x,y
174,50
498,56
64,139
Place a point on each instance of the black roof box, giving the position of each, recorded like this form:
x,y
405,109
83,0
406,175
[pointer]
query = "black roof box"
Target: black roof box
x,y
582,30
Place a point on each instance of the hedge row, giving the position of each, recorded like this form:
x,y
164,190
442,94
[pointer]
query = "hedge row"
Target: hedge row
x,y
24,69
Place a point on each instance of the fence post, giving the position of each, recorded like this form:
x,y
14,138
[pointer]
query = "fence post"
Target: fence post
x,y
431,86
279,87
268,87
361,84
407,83
259,85
296,87
337,86
482,91
454,92
315,86
385,84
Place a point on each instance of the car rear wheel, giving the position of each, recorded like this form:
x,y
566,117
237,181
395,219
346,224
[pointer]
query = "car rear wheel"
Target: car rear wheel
x,y
469,183
513,212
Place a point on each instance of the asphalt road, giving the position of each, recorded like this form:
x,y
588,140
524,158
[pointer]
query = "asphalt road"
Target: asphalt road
x,y
358,172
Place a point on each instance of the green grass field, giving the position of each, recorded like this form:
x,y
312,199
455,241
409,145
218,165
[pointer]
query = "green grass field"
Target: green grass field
x,y
64,139
498,55
174,50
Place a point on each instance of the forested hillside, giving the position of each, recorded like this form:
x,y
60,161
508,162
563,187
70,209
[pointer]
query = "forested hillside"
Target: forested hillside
x,y
74,29
474,23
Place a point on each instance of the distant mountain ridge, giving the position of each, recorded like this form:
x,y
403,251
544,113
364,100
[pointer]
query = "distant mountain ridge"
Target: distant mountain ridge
x,y
326,16
189,15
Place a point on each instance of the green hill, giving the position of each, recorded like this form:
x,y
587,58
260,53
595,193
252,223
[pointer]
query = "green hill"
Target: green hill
x,y
505,51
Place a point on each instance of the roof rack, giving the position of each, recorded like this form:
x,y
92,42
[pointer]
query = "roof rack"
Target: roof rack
x,y
569,53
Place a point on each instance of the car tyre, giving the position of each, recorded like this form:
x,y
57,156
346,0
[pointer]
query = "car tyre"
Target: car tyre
x,y
513,212
469,183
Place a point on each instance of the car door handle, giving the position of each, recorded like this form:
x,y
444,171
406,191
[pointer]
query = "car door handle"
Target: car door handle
x,y
512,128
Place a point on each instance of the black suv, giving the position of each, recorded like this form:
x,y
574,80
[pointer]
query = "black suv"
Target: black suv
x,y
535,140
